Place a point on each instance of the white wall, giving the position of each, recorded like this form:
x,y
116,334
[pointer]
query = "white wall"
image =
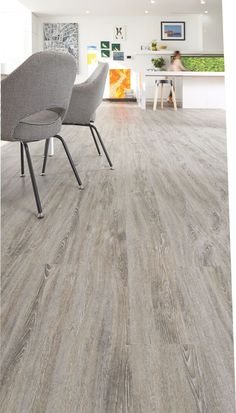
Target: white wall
x,y
140,31
35,34
21,33
15,35
213,32
203,33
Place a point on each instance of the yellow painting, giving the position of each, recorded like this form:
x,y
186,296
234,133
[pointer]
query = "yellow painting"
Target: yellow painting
x,y
120,81
91,55
91,58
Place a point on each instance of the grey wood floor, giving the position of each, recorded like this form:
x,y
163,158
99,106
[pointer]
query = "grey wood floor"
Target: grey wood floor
x,y
120,299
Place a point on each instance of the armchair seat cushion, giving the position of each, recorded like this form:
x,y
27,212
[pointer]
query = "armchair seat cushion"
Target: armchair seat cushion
x,y
44,117
39,125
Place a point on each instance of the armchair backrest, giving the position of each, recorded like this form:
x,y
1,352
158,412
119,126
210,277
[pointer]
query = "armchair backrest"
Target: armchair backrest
x,y
86,97
44,81
98,80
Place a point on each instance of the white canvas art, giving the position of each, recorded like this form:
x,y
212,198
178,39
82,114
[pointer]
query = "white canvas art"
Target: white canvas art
x,y
120,33
62,37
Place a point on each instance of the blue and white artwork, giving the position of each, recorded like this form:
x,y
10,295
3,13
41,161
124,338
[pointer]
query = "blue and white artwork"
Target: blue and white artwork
x,y
172,30
118,56
62,37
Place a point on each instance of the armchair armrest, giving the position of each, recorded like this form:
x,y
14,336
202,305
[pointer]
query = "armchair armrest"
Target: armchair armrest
x,y
83,104
43,81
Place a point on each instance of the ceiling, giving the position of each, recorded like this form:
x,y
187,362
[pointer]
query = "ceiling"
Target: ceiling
x,y
120,8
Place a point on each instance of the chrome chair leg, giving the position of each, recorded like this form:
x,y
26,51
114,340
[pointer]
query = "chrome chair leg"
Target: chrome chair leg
x,y
95,141
22,164
33,180
102,145
45,156
71,161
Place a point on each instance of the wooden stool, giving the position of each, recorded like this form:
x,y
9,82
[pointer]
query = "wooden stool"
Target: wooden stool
x,y
160,84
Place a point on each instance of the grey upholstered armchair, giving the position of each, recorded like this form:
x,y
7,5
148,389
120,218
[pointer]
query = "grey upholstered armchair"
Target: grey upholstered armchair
x,y
35,98
85,99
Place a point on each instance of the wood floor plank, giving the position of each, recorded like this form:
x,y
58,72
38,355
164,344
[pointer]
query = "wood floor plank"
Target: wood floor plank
x,y
119,300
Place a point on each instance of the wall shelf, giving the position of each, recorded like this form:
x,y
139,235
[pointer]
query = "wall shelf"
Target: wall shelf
x,y
152,52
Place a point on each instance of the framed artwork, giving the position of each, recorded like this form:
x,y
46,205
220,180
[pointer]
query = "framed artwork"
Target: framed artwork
x,y
62,37
172,31
115,47
105,53
120,32
91,55
105,45
120,83
118,56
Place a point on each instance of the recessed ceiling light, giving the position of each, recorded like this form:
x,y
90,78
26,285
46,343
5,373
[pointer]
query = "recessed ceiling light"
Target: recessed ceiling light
x,y
87,12
206,12
154,1
203,2
146,12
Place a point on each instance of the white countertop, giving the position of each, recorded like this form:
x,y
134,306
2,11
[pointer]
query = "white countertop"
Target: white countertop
x,y
151,73
171,52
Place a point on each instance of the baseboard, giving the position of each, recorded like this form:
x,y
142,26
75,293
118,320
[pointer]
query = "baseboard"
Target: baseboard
x,y
120,100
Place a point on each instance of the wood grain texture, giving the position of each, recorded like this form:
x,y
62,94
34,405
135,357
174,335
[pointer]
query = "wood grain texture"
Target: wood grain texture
x,y
119,300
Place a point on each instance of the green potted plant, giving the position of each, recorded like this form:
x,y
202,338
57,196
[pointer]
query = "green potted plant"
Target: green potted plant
x,y
154,47
159,63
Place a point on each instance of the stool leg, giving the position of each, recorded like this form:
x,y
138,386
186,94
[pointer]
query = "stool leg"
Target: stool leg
x,y
155,97
51,147
162,96
174,97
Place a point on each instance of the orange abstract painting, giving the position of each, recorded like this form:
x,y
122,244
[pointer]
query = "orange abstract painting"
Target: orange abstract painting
x,y
120,81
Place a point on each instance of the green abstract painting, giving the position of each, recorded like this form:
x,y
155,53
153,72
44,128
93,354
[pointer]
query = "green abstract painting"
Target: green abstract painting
x,y
105,45
105,53
204,63
115,47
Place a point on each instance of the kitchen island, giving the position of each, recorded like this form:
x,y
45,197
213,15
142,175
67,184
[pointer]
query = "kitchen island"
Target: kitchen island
x,y
201,86
197,90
